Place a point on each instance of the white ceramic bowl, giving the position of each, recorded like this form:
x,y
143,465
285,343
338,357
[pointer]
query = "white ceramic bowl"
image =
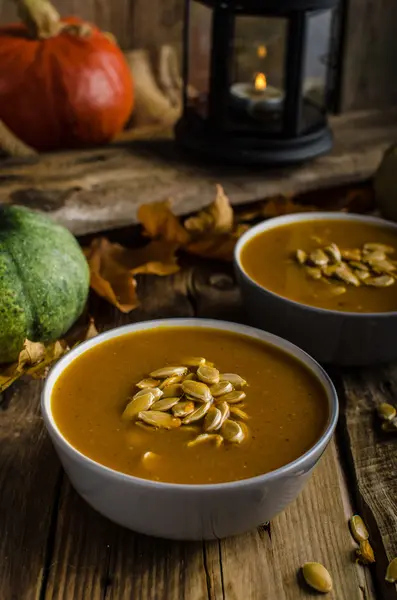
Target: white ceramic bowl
x,y
189,512
330,336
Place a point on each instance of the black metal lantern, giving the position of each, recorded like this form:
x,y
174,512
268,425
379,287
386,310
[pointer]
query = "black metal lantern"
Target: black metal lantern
x,y
256,79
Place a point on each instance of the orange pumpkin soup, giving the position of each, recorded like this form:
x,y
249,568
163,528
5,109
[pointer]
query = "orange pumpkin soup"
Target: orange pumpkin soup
x,y
333,264
284,408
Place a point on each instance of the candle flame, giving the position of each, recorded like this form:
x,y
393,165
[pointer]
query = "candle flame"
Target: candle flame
x,y
260,82
262,51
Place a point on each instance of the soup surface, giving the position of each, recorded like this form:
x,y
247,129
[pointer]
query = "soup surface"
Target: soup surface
x,y
269,259
286,404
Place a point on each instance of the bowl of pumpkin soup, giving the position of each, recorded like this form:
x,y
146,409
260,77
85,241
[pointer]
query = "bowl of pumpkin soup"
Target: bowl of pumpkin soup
x,y
325,281
189,428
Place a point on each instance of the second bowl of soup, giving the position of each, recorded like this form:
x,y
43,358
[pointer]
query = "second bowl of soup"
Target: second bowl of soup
x,y
325,281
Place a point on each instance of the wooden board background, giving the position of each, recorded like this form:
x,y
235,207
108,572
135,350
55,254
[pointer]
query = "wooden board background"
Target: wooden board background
x,y
370,41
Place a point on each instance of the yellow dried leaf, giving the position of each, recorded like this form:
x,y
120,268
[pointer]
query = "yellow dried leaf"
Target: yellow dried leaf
x,y
160,223
31,354
215,218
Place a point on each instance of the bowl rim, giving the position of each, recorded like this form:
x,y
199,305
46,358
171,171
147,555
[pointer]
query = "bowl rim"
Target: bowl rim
x,y
251,332
275,222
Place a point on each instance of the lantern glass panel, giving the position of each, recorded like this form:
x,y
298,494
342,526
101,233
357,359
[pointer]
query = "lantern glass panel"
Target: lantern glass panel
x,y
256,92
199,56
315,70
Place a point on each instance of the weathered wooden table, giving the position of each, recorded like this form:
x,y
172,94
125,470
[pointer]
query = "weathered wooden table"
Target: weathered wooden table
x,y
54,546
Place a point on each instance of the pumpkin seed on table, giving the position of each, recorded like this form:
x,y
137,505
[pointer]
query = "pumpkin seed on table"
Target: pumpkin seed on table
x,y
147,383
234,379
208,375
234,397
159,419
133,408
358,529
232,432
240,414
205,438
317,577
172,380
168,372
197,414
212,420
197,389
156,393
175,389
183,408
391,573
386,411
221,388
165,403
365,554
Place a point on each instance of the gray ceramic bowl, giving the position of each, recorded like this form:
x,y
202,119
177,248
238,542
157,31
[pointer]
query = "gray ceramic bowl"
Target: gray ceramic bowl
x,y
330,336
189,512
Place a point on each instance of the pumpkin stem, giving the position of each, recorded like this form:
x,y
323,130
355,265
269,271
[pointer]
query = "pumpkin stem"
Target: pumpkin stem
x,y
13,145
42,20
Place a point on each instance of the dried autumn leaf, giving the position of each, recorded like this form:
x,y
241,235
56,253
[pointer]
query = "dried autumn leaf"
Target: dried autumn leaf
x,y
219,247
284,205
112,269
160,223
215,218
31,354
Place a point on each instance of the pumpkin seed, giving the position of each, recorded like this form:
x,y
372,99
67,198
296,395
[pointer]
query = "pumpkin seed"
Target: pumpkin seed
x,y
338,290
213,419
234,379
143,402
374,256
156,393
147,383
234,397
225,411
232,432
358,529
346,275
237,412
191,377
382,266
197,414
173,380
208,375
373,247
206,437
159,419
165,404
380,281
365,554
351,254
165,372
356,264
301,256
193,361
362,275
314,272
317,577
318,258
197,390
391,573
333,252
175,389
386,411
329,270
221,388
182,409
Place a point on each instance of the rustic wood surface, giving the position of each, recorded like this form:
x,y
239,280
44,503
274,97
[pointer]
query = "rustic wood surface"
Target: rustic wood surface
x,y
95,190
54,546
129,20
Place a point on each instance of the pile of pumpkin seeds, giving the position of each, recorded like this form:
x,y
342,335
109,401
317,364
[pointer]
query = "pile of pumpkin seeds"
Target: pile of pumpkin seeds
x,y
370,265
192,393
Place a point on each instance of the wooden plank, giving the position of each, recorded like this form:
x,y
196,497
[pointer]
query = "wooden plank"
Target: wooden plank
x,y
29,482
373,461
370,50
96,190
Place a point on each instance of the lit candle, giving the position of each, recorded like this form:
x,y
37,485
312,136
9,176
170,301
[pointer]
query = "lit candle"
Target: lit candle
x,y
257,96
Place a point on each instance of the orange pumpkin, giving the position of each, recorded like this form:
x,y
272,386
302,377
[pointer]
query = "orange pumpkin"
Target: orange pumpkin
x,y
63,83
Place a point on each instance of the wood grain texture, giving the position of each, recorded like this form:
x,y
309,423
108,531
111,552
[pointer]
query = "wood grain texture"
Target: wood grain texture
x,y
135,23
373,461
96,190
370,55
